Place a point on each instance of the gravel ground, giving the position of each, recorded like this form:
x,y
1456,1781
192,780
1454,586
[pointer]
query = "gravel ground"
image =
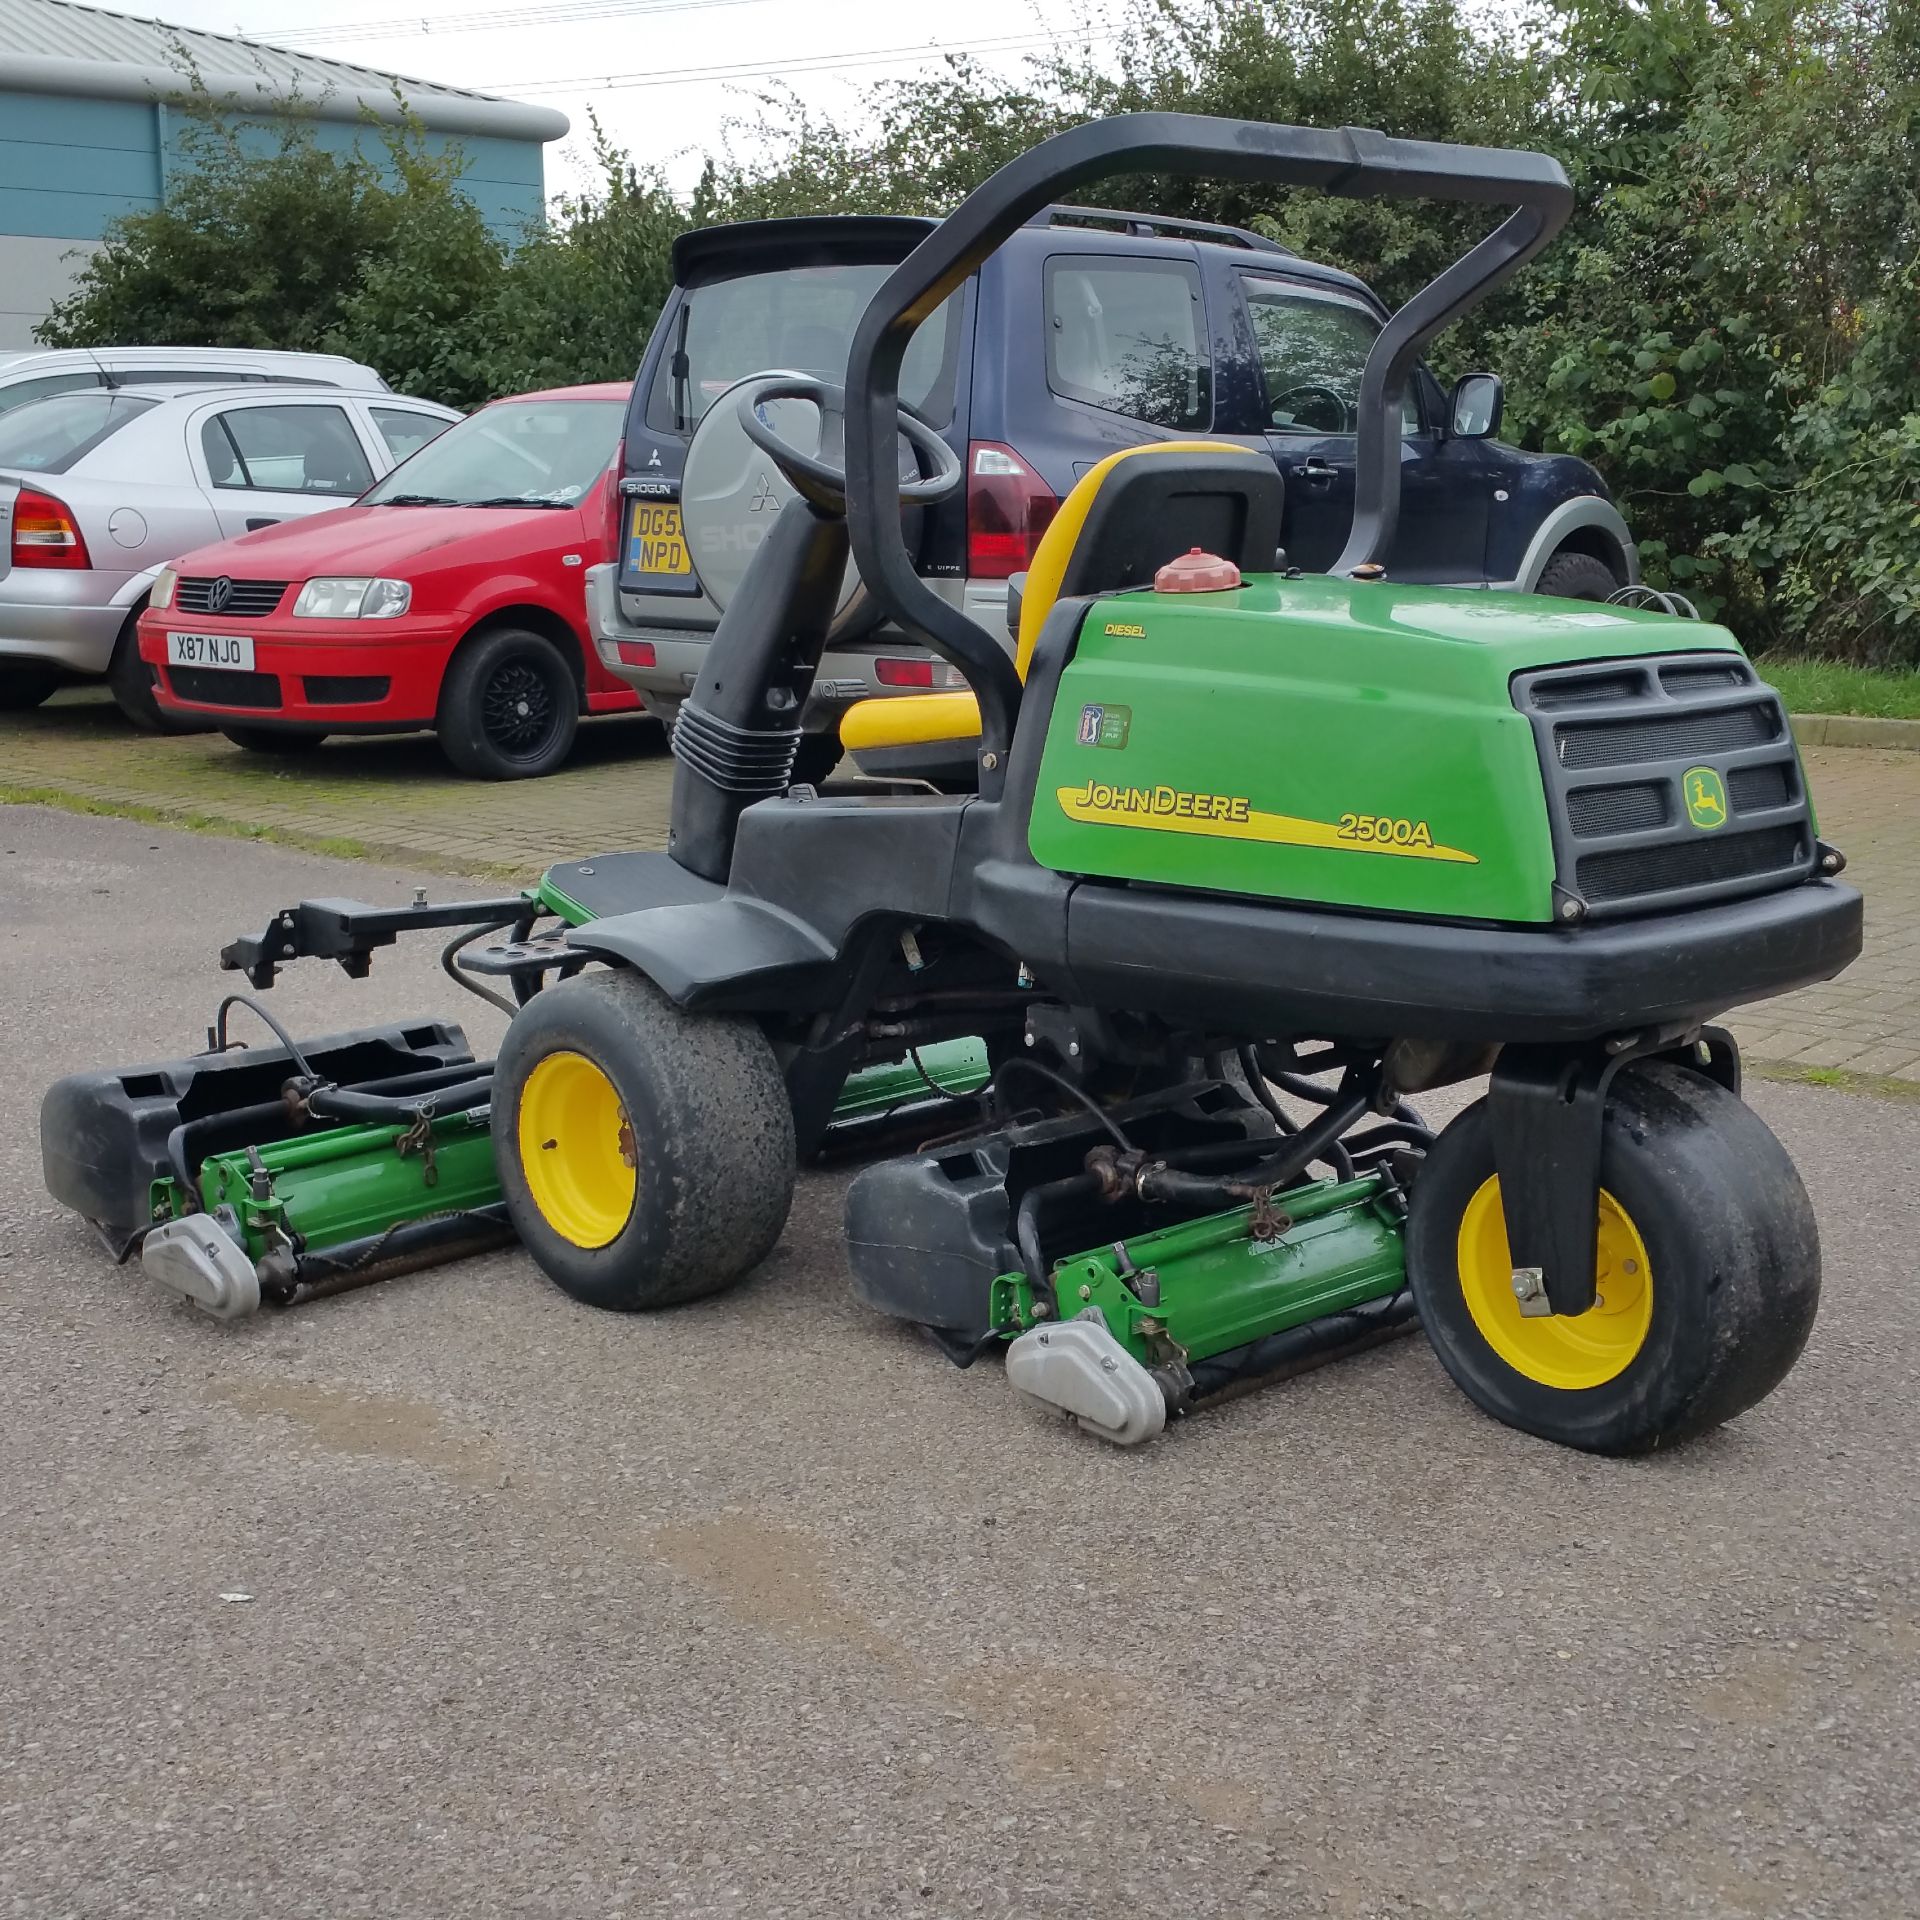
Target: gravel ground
x,y
761,1608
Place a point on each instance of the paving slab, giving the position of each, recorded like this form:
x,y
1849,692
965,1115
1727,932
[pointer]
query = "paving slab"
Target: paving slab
x,y
395,799
1868,1020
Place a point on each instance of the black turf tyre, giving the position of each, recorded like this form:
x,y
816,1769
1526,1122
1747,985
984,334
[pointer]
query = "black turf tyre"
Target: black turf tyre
x,y
282,741
510,707
25,685
707,1126
130,681
1732,1257
818,755
1577,576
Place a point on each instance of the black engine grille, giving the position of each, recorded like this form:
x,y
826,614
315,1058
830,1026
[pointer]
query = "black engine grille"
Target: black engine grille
x,y
216,687
1687,863
1593,811
248,600
1630,743
1617,740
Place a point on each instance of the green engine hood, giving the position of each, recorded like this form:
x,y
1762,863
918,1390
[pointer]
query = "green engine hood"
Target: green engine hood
x,y
1323,740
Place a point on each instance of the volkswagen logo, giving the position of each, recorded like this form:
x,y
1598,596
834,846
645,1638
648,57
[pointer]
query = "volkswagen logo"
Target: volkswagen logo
x,y
220,595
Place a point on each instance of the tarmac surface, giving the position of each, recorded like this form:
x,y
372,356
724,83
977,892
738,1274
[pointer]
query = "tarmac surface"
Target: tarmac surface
x,y
451,1598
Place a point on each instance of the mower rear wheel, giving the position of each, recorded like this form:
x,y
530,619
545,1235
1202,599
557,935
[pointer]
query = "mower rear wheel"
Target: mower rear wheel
x,y
646,1153
1707,1274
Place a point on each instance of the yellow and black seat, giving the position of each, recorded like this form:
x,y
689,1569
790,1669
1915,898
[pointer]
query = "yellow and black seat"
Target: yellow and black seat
x,y
1124,520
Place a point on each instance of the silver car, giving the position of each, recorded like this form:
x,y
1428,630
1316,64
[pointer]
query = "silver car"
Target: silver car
x,y
32,373
100,488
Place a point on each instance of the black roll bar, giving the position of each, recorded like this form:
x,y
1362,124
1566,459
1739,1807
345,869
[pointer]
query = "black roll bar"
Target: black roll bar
x,y
1349,161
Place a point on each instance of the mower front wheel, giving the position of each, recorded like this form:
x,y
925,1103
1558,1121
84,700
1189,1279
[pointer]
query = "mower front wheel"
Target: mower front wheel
x,y
646,1153
1707,1275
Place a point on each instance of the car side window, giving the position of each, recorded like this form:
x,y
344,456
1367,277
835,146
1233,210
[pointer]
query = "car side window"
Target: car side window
x,y
1129,336
38,388
406,431
1313,343
286,450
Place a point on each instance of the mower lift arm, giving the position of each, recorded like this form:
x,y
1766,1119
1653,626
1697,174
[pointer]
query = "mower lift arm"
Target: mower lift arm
x,y
349,930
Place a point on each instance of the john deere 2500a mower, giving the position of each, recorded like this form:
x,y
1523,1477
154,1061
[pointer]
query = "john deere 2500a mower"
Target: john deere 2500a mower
x,y
1251,857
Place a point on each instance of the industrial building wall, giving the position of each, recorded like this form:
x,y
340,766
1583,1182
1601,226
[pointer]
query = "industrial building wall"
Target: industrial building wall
x,y
68,166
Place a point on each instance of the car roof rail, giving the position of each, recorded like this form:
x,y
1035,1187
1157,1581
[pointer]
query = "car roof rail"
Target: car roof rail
x,y
1146,225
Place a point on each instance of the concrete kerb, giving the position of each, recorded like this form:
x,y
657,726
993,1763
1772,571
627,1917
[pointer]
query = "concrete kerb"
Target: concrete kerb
x,y
1856,730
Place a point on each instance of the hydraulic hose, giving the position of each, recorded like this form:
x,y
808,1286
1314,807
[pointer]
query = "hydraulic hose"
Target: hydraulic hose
x,y
451,967
1026,1224
1170,1182
241,1120
221,1044
349,1103
1258,1086
1389,1133
428,1080
1021,1064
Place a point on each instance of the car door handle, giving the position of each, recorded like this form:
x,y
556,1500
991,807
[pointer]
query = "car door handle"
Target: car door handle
x,y
1316,473
261,520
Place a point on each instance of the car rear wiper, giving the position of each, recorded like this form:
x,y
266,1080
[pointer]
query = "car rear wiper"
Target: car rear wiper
x,y
516,500
416,500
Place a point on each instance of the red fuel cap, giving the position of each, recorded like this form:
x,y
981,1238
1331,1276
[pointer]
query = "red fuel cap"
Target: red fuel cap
x,y
1197,571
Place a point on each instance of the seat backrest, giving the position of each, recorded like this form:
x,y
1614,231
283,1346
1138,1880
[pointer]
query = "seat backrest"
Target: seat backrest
x,y
1143,506
1123,521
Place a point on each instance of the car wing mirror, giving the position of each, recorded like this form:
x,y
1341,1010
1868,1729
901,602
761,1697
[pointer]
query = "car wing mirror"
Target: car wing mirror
x,y
1474,411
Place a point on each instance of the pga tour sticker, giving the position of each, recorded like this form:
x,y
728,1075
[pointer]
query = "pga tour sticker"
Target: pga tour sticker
x,y
1105,726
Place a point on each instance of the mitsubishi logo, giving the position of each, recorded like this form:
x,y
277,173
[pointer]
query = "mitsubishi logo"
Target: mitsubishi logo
x,y
220,595
765,500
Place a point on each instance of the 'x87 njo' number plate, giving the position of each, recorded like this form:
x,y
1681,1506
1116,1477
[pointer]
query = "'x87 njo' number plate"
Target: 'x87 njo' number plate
x,y
233,651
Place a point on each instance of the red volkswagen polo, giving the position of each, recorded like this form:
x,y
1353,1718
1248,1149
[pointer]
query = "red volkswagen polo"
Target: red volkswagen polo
x,y
448,597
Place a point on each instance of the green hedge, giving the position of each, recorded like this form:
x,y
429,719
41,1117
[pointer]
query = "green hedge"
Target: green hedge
x,y
1729,330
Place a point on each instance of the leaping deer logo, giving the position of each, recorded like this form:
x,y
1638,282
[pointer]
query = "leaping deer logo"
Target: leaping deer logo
x,y
1706,797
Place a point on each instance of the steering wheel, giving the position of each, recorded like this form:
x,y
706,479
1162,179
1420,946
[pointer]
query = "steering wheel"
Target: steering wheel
x,y
1343,410
817,480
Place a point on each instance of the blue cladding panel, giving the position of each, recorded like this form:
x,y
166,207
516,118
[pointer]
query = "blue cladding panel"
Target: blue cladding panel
x,y
68,166
60,216
53,120
132,173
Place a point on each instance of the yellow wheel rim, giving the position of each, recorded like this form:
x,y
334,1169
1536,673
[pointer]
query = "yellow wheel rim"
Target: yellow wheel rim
x,y
1564,1351
576,1149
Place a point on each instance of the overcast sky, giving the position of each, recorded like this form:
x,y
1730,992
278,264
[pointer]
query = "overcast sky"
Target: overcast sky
x,y
606,54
